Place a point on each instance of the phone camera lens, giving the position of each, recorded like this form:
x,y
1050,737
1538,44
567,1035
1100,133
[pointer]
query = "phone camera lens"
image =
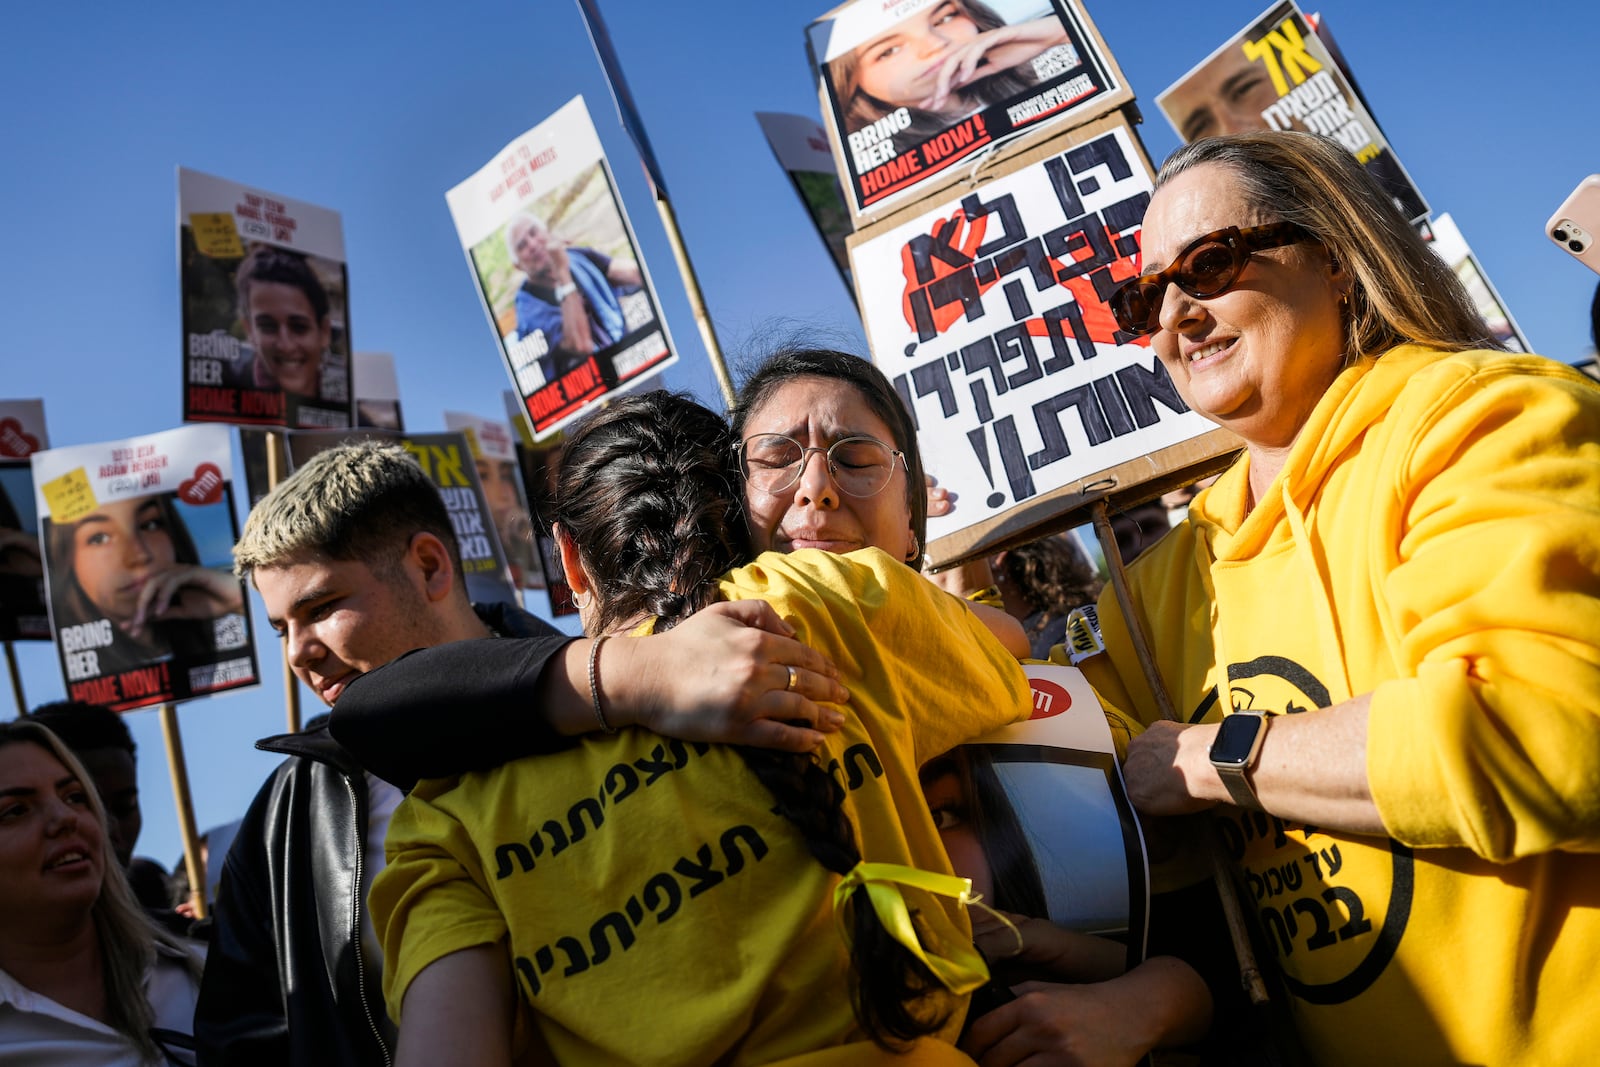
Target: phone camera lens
x,y
1559,233
1576,246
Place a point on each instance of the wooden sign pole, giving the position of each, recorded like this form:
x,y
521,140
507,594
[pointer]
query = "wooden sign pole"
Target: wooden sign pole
x,y
16,680
1227,888
291,691
194,866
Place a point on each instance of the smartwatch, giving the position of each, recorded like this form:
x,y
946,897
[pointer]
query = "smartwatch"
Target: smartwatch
x,y
564,291
1234,752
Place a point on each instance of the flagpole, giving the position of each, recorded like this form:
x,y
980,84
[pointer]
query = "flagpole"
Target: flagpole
x,y
628,113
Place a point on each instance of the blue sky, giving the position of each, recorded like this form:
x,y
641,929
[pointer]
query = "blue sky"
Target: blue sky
x,y
376,109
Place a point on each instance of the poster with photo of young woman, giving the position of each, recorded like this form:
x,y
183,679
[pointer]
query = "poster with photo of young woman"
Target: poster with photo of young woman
x,y
137,539
914,87
266,312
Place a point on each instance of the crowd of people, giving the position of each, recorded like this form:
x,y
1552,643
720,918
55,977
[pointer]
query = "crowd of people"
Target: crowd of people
x,y
715,828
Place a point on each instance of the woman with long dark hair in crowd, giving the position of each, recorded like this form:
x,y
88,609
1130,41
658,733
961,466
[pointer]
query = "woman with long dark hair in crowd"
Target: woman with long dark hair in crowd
x,y
85,977
703,879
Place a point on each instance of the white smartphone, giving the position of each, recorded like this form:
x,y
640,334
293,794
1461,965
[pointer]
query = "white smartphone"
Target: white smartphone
x,y
1576,224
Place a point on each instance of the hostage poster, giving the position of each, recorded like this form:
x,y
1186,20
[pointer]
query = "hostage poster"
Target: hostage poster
x,y
138,551
558,269
1037,815
494,451
266,323
913,87
22,602
988,314
448,463
1277,74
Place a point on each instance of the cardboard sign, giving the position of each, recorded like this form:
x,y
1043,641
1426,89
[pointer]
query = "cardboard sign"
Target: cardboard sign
x,y
266,324
1276,74
23,614
447,461
988,313
913,89
493,446
1444,237
1045,804
801,148
559,272
138,541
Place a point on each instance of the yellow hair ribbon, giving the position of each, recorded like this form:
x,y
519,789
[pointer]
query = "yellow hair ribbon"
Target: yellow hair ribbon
x,y
962,970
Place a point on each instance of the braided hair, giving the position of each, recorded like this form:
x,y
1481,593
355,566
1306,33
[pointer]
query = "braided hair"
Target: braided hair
x,y
648,492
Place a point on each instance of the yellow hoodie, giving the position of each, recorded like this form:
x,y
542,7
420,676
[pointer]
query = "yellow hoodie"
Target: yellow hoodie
x,y
1434,540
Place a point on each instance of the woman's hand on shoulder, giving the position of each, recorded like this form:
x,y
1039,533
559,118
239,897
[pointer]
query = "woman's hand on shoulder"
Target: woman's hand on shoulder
x,y
724,674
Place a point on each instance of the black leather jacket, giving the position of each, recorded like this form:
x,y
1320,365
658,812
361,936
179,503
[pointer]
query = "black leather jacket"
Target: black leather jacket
x,y
285,982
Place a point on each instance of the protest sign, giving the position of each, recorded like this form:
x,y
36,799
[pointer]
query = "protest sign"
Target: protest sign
x,y
447,461
988,313
1037,815
1444,237
540,463
22,600
494,451
377,390
138,548
801,147
558,270
910,88
266,323
1277,74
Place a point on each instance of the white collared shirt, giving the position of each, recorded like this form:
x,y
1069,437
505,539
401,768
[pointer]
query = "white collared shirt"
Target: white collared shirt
x,y
37,1031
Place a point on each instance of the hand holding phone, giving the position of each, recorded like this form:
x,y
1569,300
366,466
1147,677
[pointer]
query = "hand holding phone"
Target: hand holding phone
x,y
1576,224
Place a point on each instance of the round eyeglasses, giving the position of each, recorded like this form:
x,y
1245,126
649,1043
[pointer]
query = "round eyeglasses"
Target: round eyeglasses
x,y
1207,267
860,466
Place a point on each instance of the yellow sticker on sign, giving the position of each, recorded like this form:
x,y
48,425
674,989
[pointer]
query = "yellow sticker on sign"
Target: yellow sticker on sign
x,y
216,235
69,497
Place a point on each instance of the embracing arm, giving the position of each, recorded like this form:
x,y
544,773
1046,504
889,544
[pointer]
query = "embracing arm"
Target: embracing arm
x,y
722,675
458,1010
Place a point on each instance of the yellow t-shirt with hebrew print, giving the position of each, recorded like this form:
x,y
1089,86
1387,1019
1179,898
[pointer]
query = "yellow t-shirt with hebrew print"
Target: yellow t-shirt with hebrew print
x,y
654,908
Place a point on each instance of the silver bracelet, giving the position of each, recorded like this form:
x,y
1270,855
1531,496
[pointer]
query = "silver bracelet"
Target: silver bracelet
x,y
594,683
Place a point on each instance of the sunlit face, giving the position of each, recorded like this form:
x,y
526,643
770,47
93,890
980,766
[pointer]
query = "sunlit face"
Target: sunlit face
x,y
941,786
813,513
1258,357
1227,95
51,847
116,549
116,778
287,335
342,620
901,67
531,247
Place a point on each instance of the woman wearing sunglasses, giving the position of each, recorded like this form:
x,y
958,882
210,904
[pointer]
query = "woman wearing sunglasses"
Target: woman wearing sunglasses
x,y
1381,627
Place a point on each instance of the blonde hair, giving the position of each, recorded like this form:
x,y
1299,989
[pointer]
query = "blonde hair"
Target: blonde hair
x,y
1401,291
360,501
128,939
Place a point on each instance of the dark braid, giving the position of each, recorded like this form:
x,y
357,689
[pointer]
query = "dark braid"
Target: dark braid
x,y
647,495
